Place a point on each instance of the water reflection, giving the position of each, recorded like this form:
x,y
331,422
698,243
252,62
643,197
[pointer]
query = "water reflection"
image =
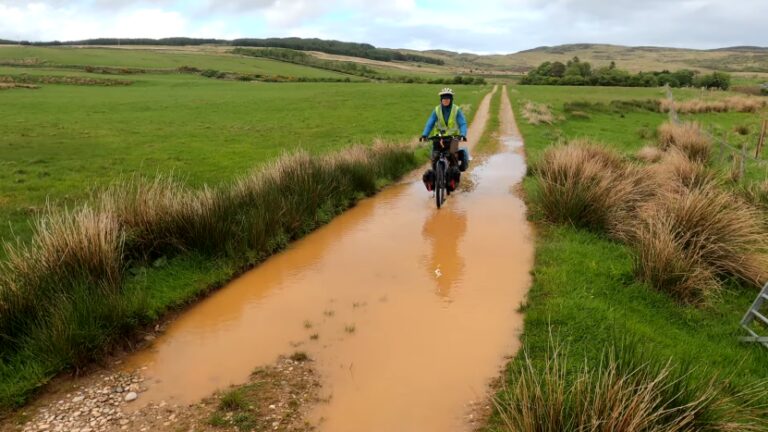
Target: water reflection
x,y
444,230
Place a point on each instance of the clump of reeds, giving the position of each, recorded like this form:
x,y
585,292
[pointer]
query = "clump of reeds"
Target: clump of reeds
x,y
698,106
590,186
686,232
621,393
687,242
686,137
536,113
676,170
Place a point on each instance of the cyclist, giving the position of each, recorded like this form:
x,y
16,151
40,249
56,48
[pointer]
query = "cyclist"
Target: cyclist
x,y
448,119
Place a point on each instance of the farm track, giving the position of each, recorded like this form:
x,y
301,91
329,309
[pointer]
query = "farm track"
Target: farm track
x,y
407,312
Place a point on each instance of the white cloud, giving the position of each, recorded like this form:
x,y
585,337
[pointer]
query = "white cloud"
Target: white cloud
x,y
477,26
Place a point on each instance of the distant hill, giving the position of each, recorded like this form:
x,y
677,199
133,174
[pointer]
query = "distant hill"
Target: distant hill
x,y
748,59
634,59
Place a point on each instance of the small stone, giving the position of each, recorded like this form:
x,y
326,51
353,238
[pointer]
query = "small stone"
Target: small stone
x,y
132,396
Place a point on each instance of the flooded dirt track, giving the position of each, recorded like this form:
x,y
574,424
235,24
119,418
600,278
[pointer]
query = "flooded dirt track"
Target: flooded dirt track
x,y
407,311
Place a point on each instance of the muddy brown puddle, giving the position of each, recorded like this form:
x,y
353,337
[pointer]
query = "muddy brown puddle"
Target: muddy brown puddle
x,y
407,311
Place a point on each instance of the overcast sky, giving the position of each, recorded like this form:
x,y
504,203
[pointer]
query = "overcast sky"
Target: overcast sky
x,y
481,26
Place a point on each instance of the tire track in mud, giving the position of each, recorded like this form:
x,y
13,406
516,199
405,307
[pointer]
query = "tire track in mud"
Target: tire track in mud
x,y
408,312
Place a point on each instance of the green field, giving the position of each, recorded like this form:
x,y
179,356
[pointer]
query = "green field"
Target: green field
x,y
160,59
585,296
58,141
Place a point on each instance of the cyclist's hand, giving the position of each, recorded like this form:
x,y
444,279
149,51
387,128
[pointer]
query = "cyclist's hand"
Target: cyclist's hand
x,y
463,138
422,138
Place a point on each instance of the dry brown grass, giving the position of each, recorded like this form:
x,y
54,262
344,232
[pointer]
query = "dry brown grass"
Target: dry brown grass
x,y
676,172
687,137
649,154
687,233
84,244
698,106
590,186
536,113
686,242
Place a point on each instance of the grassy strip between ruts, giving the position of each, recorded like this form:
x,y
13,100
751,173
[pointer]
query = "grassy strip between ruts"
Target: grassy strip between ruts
x,y
91,276
586,299
488,142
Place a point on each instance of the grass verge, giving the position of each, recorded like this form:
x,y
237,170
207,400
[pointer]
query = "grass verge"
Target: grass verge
x,y
92,275
586,295
488,142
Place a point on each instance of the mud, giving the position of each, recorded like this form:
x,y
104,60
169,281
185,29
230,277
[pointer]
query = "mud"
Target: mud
x,y
407,311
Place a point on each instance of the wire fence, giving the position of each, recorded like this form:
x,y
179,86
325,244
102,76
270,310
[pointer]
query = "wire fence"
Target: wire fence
x,y
722,143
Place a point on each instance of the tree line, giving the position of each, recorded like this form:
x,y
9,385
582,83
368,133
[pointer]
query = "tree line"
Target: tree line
x,y
578,73
352,49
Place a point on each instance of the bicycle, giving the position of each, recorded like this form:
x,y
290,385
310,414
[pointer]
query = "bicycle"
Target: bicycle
x,y
442,163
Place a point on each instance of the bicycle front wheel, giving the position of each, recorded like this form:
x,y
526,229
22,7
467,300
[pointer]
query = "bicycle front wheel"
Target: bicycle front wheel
x,y
439,184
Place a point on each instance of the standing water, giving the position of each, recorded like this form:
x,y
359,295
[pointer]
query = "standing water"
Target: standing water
x,y
407,311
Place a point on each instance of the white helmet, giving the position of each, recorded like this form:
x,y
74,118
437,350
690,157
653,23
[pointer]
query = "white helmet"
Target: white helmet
x,y
445,91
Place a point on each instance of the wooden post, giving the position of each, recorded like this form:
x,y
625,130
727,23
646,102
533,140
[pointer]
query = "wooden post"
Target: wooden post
x,y
761,139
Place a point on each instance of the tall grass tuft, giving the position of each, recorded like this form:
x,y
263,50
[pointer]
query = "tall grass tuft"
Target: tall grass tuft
x,y
621,393
589,186
536,113
677,172
685,242
686,137
62,296
699,106
649,154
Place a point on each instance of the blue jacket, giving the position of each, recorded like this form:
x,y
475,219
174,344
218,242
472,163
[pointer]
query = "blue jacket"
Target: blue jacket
x,y
461,121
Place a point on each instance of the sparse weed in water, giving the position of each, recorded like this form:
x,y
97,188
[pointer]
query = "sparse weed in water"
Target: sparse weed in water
x,y
299,356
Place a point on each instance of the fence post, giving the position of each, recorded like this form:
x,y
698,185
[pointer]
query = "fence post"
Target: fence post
x,y
761,139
